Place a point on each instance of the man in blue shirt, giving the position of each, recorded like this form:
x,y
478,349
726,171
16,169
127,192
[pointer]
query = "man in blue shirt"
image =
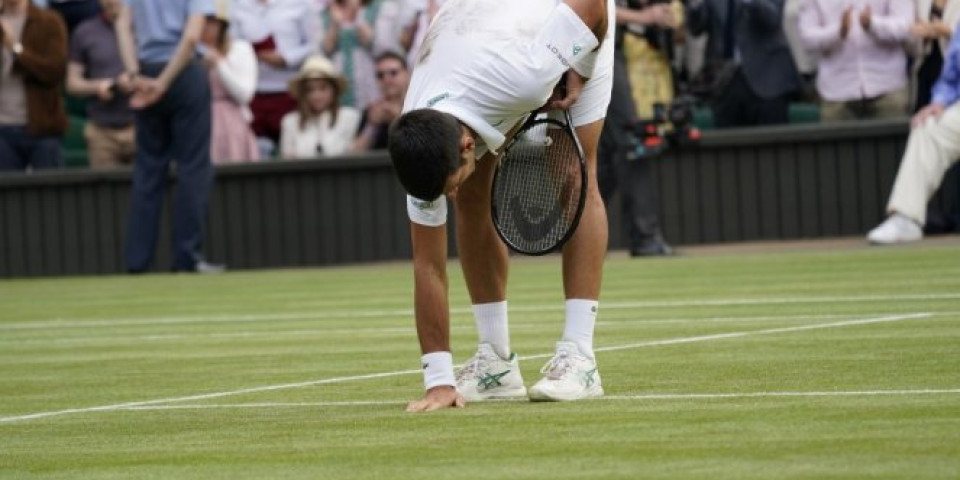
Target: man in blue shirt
x,y
933,146
171,93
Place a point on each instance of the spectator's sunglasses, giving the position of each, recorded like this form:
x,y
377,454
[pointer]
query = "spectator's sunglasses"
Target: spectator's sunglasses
x,y
381,74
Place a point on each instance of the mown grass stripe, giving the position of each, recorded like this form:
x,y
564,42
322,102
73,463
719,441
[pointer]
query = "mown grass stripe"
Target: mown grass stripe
x,y
675,341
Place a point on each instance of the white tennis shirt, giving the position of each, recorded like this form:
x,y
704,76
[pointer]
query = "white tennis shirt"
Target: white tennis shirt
x,y
491,62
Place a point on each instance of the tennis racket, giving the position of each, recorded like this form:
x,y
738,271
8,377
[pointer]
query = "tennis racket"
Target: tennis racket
x,y
540,186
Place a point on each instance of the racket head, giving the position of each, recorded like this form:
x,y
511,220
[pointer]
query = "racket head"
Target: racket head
x,y
539,187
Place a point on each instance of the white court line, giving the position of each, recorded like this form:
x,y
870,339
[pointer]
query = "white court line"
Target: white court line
x,y
865,393
675,341
769,331
410,330
647,396
206,396
216,406
65,323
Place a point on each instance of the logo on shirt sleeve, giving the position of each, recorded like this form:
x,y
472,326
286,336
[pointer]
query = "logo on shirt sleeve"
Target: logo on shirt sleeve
x,y
556,52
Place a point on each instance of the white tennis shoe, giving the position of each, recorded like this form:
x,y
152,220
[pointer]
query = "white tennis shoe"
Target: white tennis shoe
x,y
569,375
487,376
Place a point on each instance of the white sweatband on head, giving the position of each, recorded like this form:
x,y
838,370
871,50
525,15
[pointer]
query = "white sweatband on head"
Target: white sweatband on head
x,y
437,370
429,213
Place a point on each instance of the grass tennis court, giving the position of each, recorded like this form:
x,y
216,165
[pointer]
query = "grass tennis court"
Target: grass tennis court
x,y
798,363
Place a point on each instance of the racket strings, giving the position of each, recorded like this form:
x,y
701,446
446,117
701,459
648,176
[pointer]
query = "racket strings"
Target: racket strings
x,y
538,189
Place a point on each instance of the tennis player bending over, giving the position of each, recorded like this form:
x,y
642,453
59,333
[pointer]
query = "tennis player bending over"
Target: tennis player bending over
x,y
483,66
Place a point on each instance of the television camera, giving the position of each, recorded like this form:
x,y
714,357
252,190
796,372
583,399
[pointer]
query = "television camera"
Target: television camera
x,y
670,126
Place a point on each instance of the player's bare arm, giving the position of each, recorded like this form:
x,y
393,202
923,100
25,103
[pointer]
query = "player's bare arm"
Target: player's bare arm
x,y
431,308
593,13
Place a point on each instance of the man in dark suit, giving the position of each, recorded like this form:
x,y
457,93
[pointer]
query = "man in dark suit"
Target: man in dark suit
x,y
747,51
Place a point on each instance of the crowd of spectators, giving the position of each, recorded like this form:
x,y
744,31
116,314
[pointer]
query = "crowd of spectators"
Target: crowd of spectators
x,y
317,78
744,61
288,78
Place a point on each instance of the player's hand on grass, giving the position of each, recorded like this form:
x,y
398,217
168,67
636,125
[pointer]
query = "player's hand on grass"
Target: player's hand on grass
x,y
437,398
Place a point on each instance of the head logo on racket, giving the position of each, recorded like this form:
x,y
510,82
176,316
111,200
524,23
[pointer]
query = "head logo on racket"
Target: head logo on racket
x,y
539,187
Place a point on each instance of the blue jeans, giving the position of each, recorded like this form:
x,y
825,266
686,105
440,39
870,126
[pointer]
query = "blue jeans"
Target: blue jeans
x,y
176,128
19,149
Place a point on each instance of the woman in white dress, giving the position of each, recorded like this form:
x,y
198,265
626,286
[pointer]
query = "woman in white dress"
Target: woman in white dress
x,y
233,79
320,126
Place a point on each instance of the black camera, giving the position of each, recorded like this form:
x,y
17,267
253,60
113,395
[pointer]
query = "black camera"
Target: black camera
x,y
670,126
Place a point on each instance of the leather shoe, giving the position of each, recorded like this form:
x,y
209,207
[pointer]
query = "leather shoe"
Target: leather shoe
x,y
206,267
203,267
654,248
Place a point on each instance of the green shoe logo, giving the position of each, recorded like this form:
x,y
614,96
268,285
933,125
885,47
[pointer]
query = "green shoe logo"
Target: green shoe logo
x,y
491,380
589,378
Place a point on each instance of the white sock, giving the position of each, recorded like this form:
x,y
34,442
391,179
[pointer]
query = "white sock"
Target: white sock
x,y
492,326
581,319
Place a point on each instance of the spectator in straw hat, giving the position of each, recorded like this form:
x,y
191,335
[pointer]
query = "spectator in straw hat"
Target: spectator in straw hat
x,y
319,126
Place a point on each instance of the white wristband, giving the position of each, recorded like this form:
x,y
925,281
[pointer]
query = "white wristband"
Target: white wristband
x,y
437,370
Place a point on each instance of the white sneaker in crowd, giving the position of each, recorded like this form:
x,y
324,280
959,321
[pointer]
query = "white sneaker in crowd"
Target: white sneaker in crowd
x,y
487,376
569,375
895,229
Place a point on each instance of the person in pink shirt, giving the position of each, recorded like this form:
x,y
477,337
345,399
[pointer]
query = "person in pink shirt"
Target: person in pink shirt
x,y
862,72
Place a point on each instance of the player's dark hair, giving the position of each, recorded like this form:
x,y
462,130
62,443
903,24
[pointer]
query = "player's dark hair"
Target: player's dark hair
x,y
424,145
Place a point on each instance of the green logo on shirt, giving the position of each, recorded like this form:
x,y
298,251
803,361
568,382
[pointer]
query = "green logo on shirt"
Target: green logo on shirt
x,y
576,49
435,100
